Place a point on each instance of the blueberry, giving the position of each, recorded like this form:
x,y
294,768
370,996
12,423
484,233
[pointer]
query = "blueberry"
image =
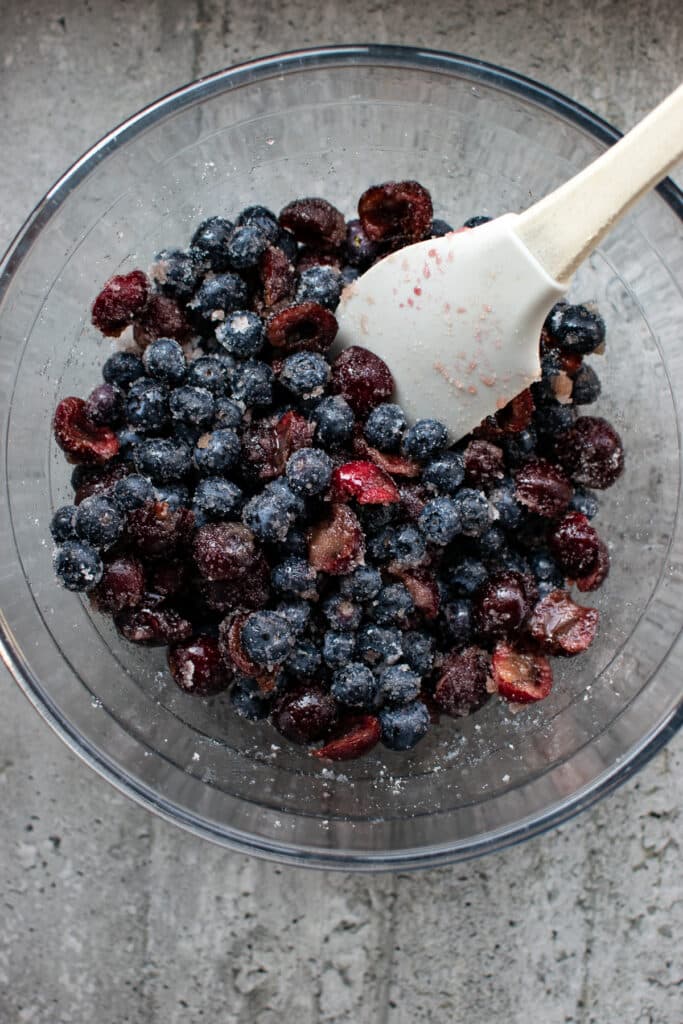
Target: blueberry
x,y
177,273
217,297
377,644
349,275
384,427
360,251
457,616
99,521
281,491
392,605
342,614
334,421
512,561
252,383
63,524
210,239
545,568
296,576
246,245
398,684
128,439
338,648
305,374
267,638
104,406
362,584
132,492
227,413
418,651
355,686
309,471
473,509
440,520
304,661
585,502
475,222
554,418
286,241
241,334
381,546
263,219
297,613
440,228
211,373
424,439
409,546
163,460
503,499
268,516
375,517
78,565
164,360
217,452
192,406
218,498
321,284
520,446
250,705
175,496
586,386
147,406
444,473
467,576
577,328
491,542
122,368
404,727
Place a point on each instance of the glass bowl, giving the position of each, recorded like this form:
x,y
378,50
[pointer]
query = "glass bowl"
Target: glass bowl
x,y
330,122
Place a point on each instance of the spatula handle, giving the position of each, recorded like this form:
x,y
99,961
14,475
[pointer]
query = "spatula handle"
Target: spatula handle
x,y
564,228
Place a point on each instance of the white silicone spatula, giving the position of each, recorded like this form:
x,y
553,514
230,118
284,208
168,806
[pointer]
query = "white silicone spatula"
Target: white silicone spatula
x,y
458,318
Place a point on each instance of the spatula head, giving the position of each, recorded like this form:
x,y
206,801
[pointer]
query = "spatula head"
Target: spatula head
x,y
457,319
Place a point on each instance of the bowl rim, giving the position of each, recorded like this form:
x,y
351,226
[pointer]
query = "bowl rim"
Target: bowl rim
x,y
238,76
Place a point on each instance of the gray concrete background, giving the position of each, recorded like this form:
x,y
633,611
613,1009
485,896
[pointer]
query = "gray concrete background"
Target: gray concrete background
x,y
112,916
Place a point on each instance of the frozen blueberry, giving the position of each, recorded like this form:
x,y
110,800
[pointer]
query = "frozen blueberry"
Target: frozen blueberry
x,y
122,368
104,406
217,297
218,498
268,516
132,492
577,328
210,239
424,439
408,546
403,727
296,576
305,374
445,473
360,251
467,576
63,524
375,517
440,228
378,644
520,446
241,334
398,684
384,427
163,460
440,521
334,421
128,439
192,406
586,387
584,502
349,275
297,613
418,651
246,245
554,418
263,219
78,565
503,499
355,686
321,284
341,613
164,360
304,660
362,584
177,273
147,406
393,605
252,383
381,545
175,496
457,616
309,471
473,509
338,648
211,373
293,502
217,452
491,542
99,521
248,704
227,413
475,222
267,638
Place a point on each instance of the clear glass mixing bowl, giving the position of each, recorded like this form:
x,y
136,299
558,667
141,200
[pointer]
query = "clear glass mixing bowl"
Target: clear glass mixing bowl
x,y
331,122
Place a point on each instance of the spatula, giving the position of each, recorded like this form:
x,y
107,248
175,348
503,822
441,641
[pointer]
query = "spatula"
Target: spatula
x,y
458,318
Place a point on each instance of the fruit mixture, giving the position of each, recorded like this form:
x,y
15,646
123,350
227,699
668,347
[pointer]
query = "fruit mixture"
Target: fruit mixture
x,y
271,517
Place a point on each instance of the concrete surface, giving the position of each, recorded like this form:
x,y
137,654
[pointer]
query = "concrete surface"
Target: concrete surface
x,y
110,915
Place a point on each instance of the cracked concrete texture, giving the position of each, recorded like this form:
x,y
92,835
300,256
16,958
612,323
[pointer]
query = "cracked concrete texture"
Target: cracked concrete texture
x,y
112,915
